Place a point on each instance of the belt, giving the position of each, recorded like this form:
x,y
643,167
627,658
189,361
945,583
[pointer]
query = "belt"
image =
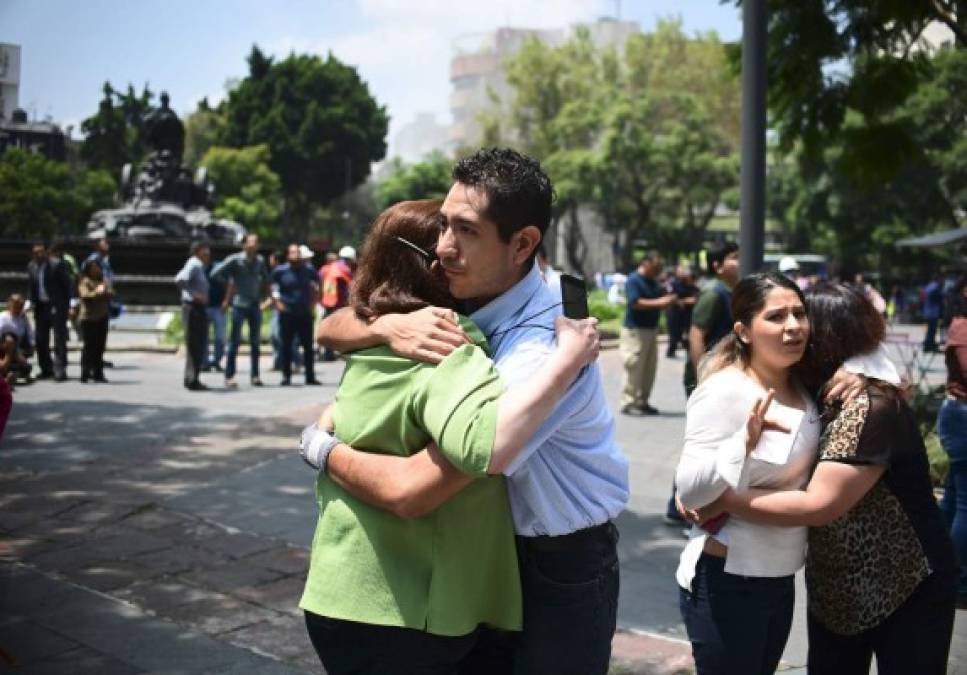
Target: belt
x,y
570,541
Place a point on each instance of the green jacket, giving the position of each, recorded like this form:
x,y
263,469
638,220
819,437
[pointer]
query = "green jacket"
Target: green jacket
x,y
452,569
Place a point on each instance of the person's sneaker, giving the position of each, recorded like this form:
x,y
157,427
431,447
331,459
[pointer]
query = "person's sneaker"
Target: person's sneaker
x,y
313,382
256,382
231,383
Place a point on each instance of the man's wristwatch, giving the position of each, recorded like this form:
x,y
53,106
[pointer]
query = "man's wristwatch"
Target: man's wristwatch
x,y
315,444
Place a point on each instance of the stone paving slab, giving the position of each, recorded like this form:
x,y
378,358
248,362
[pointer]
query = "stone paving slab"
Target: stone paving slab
x,y
53,626
193,512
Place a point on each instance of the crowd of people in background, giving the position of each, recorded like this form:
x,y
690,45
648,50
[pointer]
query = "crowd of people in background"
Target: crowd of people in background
x,y
242,287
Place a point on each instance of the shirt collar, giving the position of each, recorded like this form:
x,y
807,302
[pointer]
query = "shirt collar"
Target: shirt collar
x,y
497,311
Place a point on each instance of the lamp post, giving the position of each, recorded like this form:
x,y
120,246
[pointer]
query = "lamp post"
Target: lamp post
x,y
752,207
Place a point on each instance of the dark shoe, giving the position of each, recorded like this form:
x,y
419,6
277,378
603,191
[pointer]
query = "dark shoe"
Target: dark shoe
x,y
45,376
100,378
206,369
196,386
60,378
256,382
632,410
84,378
285,382
675,520
313,383
218,368
648,410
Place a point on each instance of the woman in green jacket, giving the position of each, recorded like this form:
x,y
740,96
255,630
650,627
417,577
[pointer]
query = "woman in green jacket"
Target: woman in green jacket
x,y
389,595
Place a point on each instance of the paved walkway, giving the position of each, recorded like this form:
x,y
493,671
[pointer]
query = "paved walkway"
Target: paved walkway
x,y
144,528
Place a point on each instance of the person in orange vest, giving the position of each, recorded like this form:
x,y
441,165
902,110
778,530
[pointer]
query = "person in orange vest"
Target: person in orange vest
x,y
335,278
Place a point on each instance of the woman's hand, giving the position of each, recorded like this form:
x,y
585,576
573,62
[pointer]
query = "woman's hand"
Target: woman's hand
x,y
706,513
844,386
578,340
325,419
757,422
428,335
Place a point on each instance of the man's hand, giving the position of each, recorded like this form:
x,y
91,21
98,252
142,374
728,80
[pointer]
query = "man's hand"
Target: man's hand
x,y
429,334
844,386
279,305
578,339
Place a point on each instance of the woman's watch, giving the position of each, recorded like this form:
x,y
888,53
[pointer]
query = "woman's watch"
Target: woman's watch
x,y
315,444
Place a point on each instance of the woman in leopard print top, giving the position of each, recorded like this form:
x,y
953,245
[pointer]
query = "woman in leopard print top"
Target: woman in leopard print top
x,y
880,568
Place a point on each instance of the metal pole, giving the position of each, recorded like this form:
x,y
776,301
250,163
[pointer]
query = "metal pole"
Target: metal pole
x,y
753,197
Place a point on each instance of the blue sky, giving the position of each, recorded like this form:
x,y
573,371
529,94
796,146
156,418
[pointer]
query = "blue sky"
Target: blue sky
x,y
191,48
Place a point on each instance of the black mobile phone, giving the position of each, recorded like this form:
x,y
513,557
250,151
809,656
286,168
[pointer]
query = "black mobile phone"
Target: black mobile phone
x,y
574,297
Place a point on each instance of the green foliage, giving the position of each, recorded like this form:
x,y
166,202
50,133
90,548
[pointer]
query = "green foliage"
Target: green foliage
x,y
429,179
647,137
249,191
609,316
856,191
202,129
321,125
115,134
43,198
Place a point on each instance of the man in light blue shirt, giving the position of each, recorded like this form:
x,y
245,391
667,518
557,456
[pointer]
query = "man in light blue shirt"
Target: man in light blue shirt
x,y
570,480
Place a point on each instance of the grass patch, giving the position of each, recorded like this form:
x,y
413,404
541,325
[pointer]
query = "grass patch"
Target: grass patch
x,y
175,330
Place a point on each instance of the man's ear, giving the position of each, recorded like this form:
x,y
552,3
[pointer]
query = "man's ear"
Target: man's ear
x,y
524,242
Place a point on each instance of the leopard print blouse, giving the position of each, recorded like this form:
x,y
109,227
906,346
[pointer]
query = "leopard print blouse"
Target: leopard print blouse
x,y
861,567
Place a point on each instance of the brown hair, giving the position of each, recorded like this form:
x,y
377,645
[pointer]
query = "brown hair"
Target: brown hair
x,y
393,277
748,298
844,324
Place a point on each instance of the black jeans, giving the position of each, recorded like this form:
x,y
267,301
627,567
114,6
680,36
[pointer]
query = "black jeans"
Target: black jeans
x,y
49,317
195,321
570,592
914,639
94,334
350,648
292,325
737,625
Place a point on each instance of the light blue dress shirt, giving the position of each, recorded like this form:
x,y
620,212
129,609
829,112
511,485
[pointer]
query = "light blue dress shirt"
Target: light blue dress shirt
x,y
571,475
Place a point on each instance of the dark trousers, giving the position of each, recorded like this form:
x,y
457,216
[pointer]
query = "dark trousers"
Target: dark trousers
x,y
570,593
914,639
296,325
94,335
49,317
195,320
930,338
737,625
350,648
251,315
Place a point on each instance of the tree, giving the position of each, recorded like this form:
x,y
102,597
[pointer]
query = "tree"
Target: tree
x,y
319,121
830,58
647,137
115,135
43,198
202,129
429,179
248,191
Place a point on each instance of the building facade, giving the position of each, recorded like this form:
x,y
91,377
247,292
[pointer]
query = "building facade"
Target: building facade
x,y
9,80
